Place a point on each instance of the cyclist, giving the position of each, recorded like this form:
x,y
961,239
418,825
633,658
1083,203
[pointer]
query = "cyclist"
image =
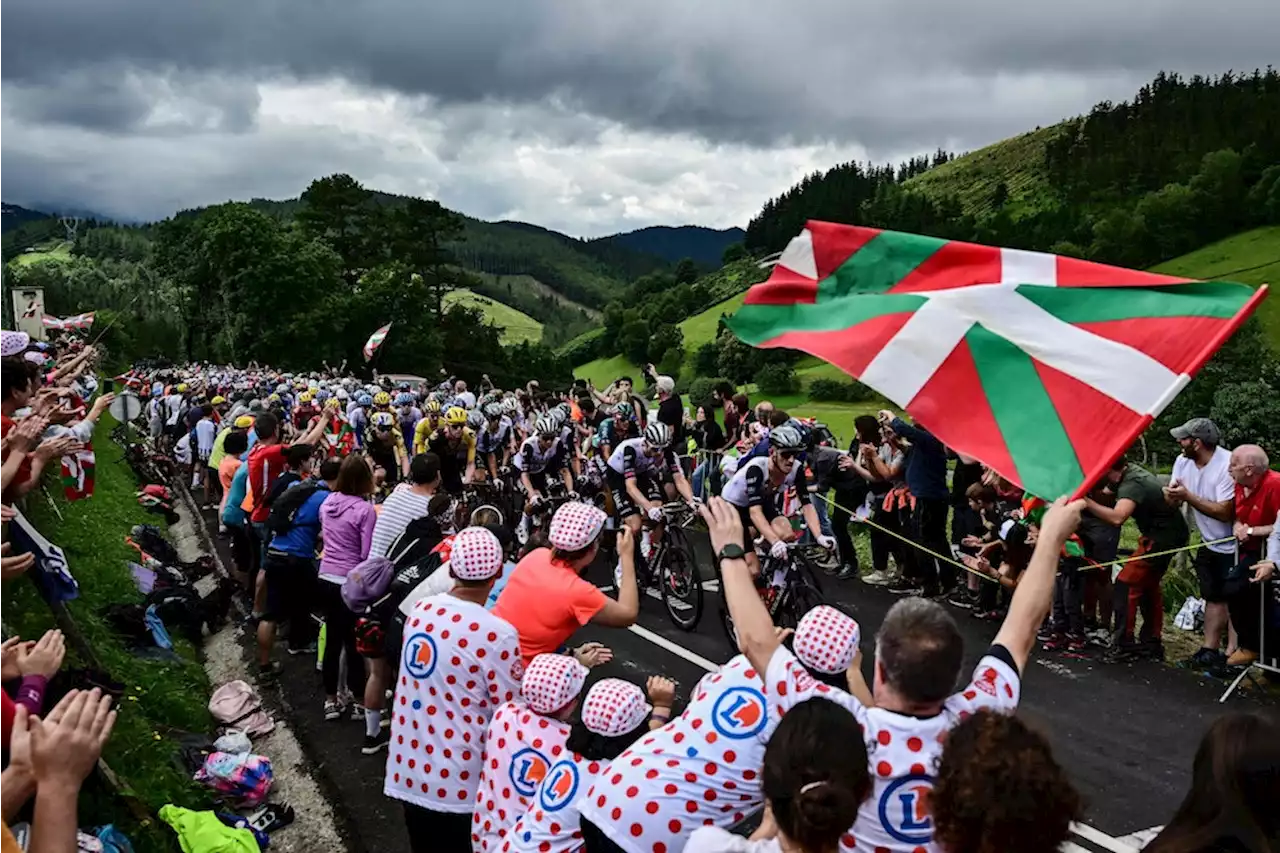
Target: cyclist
x,y
538,456
385,446
618,428
431,413
358,416
632,474
407,414
494,442
455,444
757,489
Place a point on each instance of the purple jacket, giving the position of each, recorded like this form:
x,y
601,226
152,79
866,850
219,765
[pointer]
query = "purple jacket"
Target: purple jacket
x,y
346,523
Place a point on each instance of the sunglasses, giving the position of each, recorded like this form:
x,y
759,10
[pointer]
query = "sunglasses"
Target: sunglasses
x,y
787,454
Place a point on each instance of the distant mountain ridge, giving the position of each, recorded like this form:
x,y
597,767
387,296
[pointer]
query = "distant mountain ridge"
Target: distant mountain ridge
x,y
672,243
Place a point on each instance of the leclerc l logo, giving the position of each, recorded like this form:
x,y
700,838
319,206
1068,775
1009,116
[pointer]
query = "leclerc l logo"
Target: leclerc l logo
x,y
528,768
904,809
739,713
560,786
420,655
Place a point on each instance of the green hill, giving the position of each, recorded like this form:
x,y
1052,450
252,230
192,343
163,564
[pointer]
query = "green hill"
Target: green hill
x,y
1252,257
517,327
973,178
57,251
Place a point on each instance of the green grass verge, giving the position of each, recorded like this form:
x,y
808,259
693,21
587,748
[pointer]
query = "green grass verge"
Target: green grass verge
x,y
160,696
517,326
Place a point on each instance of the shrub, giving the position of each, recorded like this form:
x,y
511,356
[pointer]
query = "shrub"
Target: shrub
x,y
777,379
833,390
703,391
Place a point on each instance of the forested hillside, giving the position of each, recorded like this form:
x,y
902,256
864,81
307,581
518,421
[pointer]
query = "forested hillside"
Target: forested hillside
x,y
705,246
1184,163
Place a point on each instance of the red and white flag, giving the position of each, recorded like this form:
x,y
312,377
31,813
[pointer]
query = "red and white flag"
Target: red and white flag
x,y
375,341
79,321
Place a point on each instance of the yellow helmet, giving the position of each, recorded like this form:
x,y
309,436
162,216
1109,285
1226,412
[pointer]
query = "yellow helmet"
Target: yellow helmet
x,y
433,407
456,416
304,397
218,400
274,398
182,386
382,398
244,422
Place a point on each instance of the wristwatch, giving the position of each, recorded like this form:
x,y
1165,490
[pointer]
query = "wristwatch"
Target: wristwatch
x,y
732,551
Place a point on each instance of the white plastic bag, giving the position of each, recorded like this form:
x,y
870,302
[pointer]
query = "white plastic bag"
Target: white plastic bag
x,y
234,741
1191,616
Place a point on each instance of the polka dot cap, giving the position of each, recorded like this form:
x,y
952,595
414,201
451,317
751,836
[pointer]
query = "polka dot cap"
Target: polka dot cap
x,y
614,707
826,639
575,526
476,555
551,681
12,343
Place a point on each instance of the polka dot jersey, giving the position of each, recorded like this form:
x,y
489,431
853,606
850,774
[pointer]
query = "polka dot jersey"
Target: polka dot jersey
x,y
459,663
701,769
520,747
902,750
551,825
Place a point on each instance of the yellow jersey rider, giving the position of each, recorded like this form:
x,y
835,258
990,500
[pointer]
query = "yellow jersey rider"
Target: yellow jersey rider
x,y
431,413
455,443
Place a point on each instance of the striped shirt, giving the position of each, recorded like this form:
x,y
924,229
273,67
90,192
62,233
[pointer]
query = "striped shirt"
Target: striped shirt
x,y
401,507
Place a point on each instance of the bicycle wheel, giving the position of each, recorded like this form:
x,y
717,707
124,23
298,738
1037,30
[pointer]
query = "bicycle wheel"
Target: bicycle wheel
x,y
803,593
678,578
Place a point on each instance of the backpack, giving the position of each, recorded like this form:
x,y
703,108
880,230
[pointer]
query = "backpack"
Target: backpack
x,y
415,543
367,583
285,508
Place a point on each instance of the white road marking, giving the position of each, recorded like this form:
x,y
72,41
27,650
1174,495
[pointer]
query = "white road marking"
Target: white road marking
x,y
675,648
1095,836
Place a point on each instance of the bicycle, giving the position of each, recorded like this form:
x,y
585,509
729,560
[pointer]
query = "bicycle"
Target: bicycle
x,y
672,570
791,587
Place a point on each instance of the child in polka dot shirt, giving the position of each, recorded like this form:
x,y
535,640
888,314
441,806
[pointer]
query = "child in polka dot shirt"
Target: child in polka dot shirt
x,y
614,714
458,664
524,739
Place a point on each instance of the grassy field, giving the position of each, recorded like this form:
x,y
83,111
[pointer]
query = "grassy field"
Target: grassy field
x,y
973,178
516,325
1252,257
60,251
160,696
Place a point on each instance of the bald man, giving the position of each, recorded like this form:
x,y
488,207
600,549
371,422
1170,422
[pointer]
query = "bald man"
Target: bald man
x,y
1257,503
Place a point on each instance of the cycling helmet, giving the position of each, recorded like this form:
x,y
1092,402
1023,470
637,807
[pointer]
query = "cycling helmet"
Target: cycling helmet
x,y
455,416
624,408
323,395
218,400
304,397
182,386
546,427
383,421
433,406
493,411
404,398
657,434
475,420
557,415
274,398
511,405
364,400
786,437
282,388
382,398
341,394
403,386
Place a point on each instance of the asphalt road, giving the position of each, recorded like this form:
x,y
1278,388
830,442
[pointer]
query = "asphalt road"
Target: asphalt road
x,y
1126,733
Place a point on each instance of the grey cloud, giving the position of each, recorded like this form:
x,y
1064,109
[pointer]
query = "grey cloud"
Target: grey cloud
x,y
754,72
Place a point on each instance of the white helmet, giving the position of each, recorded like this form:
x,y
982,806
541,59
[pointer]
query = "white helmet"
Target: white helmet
x,y
657,434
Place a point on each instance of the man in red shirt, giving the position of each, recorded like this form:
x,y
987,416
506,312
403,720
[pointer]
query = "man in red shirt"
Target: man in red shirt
x,y
1257,502
266,462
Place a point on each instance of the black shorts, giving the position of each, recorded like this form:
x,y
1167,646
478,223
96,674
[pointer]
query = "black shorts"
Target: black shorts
x,y
748,526
241,547
291,585
538,480
1212,569
622,503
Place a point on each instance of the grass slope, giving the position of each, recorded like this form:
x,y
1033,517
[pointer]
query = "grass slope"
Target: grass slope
x,y
972,178
59,251
1251,257
160,696
517,327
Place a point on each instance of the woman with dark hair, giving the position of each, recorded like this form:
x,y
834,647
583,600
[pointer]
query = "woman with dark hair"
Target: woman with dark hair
x,y
999,789
1235,788
812,792
614,715
346,523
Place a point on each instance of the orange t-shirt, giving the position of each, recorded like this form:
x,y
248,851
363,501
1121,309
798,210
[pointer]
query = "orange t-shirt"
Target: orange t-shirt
x,y
226,470
546,602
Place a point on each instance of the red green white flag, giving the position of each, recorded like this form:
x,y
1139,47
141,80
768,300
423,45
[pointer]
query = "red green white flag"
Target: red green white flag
x,y
375,341
77,471
1044,367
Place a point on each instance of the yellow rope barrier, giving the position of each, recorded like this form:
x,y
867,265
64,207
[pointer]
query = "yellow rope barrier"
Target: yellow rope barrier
x,y
958,564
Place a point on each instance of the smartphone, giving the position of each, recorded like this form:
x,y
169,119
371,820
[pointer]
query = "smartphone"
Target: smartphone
x,y
108,386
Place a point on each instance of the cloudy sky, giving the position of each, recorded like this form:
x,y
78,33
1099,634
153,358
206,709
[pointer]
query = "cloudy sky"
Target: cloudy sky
x,y
587,116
